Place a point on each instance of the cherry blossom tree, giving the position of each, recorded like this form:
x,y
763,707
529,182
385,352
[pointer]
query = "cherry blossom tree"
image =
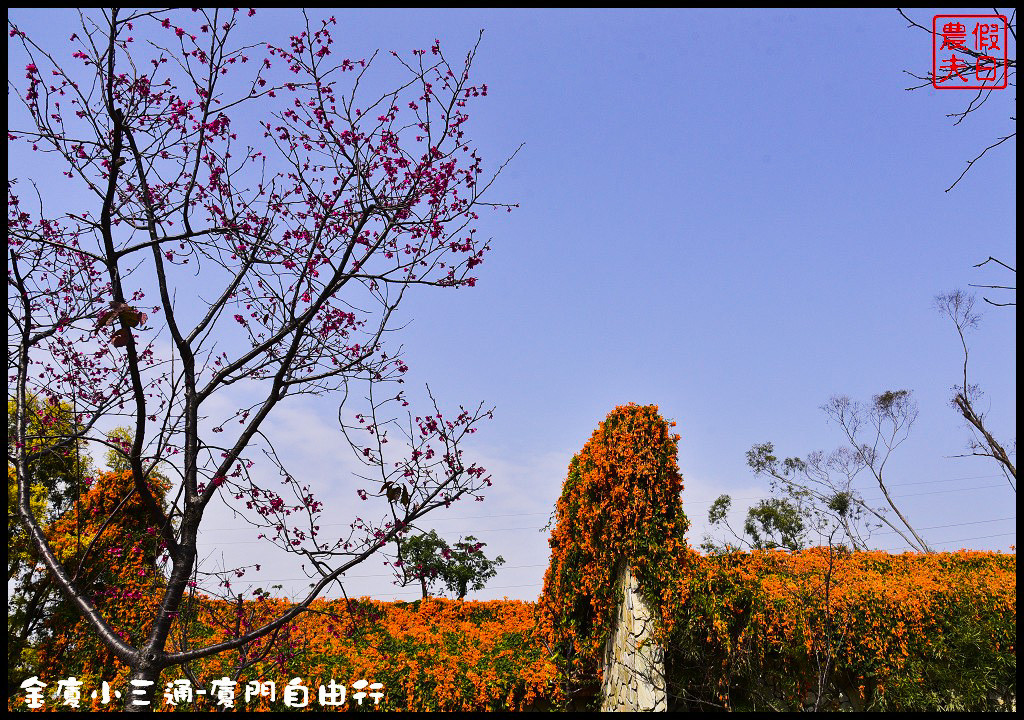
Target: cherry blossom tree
x,y
245,221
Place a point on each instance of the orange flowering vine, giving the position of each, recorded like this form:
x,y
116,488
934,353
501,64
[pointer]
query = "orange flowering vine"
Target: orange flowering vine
x,y
767,629
114,555
864,630
620,505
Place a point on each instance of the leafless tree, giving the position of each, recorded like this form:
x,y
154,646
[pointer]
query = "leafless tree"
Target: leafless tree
x,y
1013,288
820,490
874,431
829,637
981,97
959,307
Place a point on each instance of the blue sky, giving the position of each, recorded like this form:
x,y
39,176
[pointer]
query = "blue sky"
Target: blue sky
x,y
731,214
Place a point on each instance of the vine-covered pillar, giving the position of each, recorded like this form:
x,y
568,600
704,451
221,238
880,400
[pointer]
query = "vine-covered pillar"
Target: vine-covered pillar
x,y
633,670
617,554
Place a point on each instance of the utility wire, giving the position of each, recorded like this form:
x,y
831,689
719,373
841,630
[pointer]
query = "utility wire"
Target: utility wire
x,y
491,530
973,487
690,502
391,575
947,542
936,527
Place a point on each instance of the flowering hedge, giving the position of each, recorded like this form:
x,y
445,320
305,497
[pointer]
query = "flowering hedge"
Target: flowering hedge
x,y
907,632
434,654
620,504
763,630
774,630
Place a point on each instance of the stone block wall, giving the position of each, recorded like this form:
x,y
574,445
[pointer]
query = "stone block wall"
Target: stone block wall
x,y
634,665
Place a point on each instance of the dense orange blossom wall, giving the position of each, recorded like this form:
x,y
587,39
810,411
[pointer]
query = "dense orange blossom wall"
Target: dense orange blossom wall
x,y
892,632
742,631
620,504
434,654
117,568
909,632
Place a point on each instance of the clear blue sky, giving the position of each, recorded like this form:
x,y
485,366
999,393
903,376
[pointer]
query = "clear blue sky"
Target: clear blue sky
x,y
730,214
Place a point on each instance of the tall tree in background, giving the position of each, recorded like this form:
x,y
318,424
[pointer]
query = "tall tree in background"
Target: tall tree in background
x,y
959,307
774,523
57,474
817,495
277,219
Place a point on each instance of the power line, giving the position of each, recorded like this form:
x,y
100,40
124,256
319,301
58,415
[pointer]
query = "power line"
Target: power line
x,y
487,530
390,575
499,587
973,487
947,542
438,517
487,517
690,502
484,530
926,482
936,527
940,492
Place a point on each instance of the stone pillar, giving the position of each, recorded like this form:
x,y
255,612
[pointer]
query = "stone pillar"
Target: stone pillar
x,y
634,665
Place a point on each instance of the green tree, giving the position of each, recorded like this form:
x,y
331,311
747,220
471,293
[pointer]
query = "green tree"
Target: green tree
x,y
772,523
468,567
56,458
428,559
775,523
57,469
